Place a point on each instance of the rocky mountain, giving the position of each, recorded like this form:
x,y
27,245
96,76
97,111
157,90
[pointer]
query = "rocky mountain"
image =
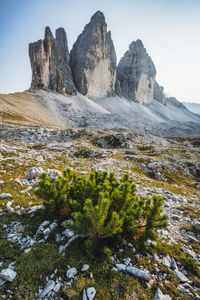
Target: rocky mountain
x,y
83,89
194,107
158,93
50,63
53,109
93,60
127,127
136,73
90,67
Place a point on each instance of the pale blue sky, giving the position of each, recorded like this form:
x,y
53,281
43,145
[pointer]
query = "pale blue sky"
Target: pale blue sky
x,y
169,29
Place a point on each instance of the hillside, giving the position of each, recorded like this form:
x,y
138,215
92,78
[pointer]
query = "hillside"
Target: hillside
x,y
53,109
193,107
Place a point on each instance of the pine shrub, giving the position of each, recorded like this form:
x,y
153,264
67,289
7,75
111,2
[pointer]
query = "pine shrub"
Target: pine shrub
x,y
101,207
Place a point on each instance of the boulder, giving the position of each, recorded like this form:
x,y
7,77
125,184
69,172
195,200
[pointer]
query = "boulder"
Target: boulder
x,y
136,73
159,295
85,267
48,287
5,196
166,261
34,173
68,233
91,292
138,273
71,273
9,208
8,274
154,166
50,63
93,60
180,276
121,267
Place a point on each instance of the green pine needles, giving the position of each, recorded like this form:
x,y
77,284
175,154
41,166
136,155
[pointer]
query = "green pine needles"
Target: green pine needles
x,y
101,207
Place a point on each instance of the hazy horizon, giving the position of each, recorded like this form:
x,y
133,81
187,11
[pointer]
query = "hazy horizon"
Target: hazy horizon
x,y
169,31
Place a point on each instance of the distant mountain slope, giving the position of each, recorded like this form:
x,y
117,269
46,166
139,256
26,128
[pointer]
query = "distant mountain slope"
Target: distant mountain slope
x,y
193,107
53,109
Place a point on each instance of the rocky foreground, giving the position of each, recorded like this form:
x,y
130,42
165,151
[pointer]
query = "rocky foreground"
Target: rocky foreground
x,y
42,259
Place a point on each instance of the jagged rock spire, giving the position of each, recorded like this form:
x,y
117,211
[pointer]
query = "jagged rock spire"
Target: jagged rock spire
x,y
50,63
93,59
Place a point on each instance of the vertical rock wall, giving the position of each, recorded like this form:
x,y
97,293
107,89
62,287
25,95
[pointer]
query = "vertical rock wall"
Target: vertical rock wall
x,y
136,73
50,63
93,60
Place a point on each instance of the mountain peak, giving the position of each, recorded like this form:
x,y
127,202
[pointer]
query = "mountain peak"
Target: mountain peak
x,y
93,59
48,33
98,16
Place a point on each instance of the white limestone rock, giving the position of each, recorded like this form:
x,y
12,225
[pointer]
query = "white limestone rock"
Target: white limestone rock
x,y
85,267
93,60
48,287
34,172
166,261
91,292
120,267
8,274
159,295
5,196
68,233
9,208
138,273
71,273
57,287
180,276
136,73
84,295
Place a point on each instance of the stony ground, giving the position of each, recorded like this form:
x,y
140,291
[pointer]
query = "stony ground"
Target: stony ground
x,y
32,263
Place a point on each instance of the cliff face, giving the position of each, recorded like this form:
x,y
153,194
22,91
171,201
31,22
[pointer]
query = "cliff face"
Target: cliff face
x,y
136,73
93,60
90,67
50,63
158,93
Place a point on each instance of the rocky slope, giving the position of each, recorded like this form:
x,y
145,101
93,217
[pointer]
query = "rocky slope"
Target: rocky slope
x,y
53,109
37,259
93,60
50,63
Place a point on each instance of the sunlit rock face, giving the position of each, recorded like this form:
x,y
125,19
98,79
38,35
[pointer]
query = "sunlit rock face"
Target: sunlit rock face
x,y
136,73
93,60
50,63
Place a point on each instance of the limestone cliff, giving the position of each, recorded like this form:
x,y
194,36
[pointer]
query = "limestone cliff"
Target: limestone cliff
x,y
136,73
50,63
93,60
158,93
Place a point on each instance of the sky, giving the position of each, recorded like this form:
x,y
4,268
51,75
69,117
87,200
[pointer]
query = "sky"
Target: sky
x,y
169,29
